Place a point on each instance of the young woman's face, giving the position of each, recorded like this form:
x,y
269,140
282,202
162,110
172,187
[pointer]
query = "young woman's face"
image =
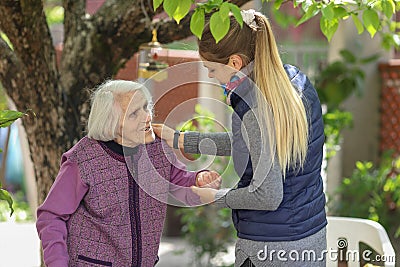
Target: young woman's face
x,y
135,123
221,72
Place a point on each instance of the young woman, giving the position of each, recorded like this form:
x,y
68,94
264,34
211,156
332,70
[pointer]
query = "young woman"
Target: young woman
x,y
276,143
108,203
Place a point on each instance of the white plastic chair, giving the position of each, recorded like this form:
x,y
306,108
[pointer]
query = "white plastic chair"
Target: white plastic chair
x,y
349,232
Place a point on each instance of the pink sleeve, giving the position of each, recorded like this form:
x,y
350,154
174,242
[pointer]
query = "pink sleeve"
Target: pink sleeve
x,y
181,181
62,200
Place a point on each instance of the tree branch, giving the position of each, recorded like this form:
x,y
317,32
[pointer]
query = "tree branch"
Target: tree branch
x,y
26,27
119,21
107,33
10,20
74,13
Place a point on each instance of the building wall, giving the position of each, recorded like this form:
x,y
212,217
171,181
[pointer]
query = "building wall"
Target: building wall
x,y
361,142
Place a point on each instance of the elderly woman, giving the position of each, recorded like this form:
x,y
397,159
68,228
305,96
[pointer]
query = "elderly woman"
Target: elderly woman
x,y
108,203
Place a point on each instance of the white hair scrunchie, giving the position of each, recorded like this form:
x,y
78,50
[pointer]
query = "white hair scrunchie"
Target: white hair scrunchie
x,y
249,17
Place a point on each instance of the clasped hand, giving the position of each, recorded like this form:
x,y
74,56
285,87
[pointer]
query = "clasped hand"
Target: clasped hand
x,y
207,185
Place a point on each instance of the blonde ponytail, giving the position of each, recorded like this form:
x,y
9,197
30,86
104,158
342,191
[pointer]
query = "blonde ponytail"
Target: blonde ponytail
x,y
288,129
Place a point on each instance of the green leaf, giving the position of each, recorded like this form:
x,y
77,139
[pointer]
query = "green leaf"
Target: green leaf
x,y
197,22
54,15
219,26
305,4
328,12
4,195
360,165
370,59
392,26
388,8
5,38
311,12
157,3
277,4
371,21
7,117
170,7
340,12
348,56
358,23
182,10
210,5
217,2
328,27
224,10
236,13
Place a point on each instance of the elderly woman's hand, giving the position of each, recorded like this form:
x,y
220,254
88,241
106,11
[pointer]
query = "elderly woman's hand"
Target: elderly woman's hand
x,y
207,195
208,179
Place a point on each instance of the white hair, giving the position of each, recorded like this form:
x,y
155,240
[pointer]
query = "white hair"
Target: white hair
x,y
105,112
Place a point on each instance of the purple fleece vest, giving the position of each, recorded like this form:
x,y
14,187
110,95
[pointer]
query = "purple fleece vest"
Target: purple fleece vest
x,y
118,223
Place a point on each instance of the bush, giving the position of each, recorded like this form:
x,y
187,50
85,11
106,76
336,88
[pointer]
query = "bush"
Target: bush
x,y
373,193
21,209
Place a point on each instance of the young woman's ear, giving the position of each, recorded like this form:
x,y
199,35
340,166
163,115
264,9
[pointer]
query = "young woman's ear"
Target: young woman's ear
x,y
236,62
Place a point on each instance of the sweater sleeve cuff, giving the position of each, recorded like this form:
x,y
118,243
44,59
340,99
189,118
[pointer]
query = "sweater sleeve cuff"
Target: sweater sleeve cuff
x,y
191,142
220,198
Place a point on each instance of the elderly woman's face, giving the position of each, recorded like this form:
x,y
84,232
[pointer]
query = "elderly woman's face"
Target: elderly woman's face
x,y
135,124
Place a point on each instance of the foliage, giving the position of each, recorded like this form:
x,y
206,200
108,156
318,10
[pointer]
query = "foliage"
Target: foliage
x,y
341,78
334,122
372,192
219,21
54,14
370,15
7,117
207,228
22,211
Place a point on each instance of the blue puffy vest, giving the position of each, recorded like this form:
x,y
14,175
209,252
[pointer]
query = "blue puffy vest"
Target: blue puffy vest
x,y
302,211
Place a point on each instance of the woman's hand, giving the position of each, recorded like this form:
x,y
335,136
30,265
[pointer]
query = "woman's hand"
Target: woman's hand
x,y
207,195
164,132
208,179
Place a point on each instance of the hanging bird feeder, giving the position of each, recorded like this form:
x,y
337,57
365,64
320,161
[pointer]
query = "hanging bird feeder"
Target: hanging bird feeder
x,y
153,58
